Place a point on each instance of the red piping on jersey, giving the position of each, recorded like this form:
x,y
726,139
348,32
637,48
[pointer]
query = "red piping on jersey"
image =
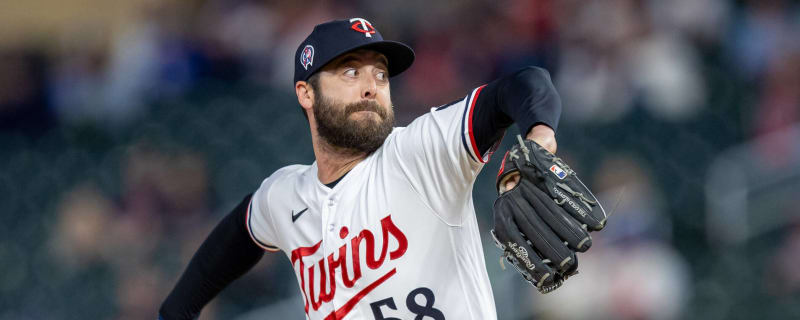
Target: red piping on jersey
x,y
327,283
471,135
345,309
297,255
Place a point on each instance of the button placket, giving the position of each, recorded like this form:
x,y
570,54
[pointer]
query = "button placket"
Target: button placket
x,y
328,223
331,235
331,215
325,213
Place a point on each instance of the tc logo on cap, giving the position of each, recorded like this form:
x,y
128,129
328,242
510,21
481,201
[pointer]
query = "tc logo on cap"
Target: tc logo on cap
x,y
363,26
307,57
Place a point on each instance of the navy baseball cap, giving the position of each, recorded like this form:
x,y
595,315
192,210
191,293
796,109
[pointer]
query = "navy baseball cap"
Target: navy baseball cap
x,y
331,39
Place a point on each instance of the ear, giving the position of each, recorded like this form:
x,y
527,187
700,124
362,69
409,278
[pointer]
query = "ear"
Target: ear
x,y
305,95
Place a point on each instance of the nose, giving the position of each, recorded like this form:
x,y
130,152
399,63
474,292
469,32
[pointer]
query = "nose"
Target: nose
x,y
369,88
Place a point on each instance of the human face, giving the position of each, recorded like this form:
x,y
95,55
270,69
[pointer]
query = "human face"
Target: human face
x,y
352,106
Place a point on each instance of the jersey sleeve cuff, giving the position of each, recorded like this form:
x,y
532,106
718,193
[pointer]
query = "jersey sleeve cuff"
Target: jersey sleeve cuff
x,y
261,244
468,134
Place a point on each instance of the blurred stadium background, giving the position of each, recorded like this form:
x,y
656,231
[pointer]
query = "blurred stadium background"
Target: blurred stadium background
x,y
129,128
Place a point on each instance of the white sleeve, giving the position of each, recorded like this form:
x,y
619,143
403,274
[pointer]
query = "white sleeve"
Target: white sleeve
x,y
438,154
259,219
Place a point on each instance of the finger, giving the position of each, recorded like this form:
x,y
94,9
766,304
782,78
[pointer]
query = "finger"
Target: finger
x,y
516,249
564,225
543,239
573,269
560,278
597,209
571,200
511,182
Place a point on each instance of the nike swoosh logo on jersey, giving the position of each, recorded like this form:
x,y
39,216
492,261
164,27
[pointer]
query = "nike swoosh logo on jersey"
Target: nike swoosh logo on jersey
x,y
296,216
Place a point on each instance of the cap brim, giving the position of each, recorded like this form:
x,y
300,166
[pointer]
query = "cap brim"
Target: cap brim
x,y
399,55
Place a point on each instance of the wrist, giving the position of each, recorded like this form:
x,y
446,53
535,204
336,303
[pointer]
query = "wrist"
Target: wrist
x,y
544,136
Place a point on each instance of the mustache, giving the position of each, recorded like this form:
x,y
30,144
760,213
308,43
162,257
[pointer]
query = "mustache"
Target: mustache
x,y
365,105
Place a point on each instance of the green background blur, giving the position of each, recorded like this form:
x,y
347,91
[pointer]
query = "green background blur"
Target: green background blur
x,y
128,129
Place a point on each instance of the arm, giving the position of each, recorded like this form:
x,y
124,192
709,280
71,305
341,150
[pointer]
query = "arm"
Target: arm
x,y
526,97
544,213
227,254
545,137
442,152
529,97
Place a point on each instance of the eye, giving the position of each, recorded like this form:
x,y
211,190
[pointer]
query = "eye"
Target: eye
x,y
381,75
350,72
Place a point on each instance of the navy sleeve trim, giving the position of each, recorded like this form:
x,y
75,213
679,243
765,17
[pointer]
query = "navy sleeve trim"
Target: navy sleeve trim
x,y
467,129
445,106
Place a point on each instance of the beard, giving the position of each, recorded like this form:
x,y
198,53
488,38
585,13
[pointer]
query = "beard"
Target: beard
x,y
363,135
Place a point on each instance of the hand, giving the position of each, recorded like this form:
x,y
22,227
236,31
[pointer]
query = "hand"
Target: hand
x,y
545,137
545,219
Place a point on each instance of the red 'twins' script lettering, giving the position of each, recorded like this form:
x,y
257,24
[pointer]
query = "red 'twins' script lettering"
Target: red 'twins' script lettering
x,y
327,281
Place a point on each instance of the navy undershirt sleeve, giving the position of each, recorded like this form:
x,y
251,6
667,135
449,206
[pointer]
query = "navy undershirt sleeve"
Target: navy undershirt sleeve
x,y
227,254
526,97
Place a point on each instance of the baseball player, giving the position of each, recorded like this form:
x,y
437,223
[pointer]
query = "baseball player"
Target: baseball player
x,y
382,225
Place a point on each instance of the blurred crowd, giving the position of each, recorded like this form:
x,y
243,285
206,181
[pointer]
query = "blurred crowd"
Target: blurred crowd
x,y
123,146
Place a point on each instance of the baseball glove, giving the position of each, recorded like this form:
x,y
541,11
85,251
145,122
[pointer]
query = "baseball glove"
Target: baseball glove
x,y
543,221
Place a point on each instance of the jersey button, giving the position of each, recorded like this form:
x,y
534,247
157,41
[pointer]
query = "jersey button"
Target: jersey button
x,y
331,227
331,203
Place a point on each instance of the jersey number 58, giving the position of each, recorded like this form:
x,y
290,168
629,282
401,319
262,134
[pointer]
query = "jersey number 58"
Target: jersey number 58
x,y
422,311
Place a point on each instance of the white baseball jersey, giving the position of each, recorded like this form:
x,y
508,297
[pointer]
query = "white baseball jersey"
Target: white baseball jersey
x,y
397,237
